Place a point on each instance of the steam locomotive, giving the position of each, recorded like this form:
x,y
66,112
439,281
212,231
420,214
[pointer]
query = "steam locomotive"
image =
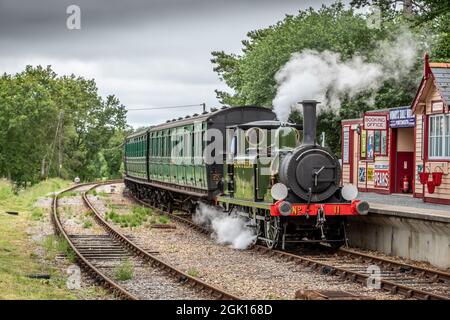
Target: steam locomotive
x,y
245,161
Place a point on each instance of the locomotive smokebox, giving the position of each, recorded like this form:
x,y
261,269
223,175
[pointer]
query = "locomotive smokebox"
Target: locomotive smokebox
x,y
309,121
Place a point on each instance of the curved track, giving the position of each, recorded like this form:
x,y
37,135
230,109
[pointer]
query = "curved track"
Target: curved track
x,y
93,271
397,278
116,236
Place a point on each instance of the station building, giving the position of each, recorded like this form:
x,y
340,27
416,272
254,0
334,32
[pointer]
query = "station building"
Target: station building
x,y
404,149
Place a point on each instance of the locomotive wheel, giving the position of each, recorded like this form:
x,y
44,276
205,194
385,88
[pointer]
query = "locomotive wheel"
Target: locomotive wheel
x,y
272,231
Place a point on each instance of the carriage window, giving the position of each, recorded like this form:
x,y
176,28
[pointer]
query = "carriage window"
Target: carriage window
x,y
233,147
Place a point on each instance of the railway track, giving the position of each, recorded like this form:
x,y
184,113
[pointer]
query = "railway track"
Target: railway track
x,y
95,252
349,265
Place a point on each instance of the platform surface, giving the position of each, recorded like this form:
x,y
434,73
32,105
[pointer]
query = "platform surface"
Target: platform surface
x,y
405,206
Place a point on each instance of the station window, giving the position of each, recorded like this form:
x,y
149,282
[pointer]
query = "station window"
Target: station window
x,y
439,137
373,142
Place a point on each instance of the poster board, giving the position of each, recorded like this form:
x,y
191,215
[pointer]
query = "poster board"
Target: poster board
x,y
346,145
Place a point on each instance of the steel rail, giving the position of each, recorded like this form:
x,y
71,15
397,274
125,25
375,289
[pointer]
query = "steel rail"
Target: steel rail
x,y
95,273
182,276
354,276
345,274
436,275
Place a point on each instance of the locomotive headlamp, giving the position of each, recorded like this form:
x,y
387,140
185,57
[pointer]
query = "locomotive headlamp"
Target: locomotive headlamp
x,y
279,191
285,208
349,192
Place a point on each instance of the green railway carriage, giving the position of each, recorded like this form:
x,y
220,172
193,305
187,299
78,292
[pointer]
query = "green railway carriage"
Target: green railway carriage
x,y
136,155
174,162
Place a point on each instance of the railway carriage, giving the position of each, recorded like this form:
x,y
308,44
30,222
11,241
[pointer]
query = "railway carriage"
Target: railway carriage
x,y
166,177
274,174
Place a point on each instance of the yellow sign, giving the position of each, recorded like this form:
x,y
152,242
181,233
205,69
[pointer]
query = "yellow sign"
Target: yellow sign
x,y
243,165
369,174
363,144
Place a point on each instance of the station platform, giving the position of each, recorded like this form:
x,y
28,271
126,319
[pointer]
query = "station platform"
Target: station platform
x,y
406,206
403,226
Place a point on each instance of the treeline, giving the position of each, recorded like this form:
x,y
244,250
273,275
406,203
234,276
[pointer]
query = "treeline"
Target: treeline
x,y
251,74
54,125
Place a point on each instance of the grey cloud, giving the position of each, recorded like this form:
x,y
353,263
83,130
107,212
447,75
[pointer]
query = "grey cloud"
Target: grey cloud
x,y
147,53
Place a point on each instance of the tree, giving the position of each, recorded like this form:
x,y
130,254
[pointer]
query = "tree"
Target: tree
x,y
419,11
334,28
432,16
52,125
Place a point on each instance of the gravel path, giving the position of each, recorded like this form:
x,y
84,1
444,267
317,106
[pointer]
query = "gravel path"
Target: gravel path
x,y
245,273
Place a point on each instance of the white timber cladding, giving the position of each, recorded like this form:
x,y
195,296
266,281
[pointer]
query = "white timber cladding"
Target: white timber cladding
x,y
419,153
346,173
436,158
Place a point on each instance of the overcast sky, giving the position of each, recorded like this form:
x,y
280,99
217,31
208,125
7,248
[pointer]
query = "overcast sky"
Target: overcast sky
x,y
146,52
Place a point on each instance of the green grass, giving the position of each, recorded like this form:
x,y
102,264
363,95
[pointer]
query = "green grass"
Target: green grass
x,y
17,252
164,219
95,193
54,245
17,257
135,218
89,213
124,271
87,224
193,272
37,214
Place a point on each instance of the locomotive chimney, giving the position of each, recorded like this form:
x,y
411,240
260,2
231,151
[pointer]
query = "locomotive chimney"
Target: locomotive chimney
x,y
309,121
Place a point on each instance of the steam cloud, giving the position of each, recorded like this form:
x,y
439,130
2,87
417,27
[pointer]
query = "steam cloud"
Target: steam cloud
x,y
227,229
324,77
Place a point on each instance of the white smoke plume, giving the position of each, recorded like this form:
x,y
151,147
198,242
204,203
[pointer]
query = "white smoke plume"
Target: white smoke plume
x,y
227,229
324,77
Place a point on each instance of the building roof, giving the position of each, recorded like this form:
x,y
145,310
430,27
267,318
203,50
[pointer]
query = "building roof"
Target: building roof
x,y
441,75
437,73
